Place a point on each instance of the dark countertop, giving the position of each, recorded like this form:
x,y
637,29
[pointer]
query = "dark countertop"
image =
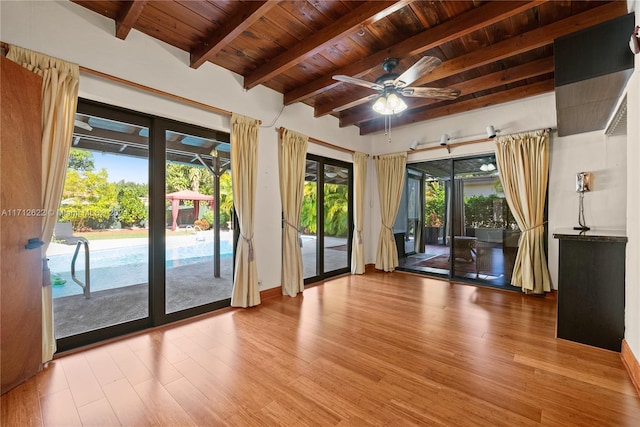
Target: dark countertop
x,y
593,235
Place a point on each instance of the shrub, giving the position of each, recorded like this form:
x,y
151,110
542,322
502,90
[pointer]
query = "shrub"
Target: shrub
x,y
202,223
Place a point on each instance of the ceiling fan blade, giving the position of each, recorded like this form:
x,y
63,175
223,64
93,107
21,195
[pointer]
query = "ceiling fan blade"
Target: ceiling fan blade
x,y
359,82
431,92
355,103
425,65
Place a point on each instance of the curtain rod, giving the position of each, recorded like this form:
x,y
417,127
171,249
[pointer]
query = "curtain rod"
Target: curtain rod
x,y
319,142
474,141
85,70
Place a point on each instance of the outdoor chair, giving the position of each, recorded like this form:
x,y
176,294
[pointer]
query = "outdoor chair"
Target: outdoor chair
x,y
63,233
484,257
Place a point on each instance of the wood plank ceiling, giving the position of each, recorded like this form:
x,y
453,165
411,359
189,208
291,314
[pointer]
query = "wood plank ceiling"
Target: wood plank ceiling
x,y
493,52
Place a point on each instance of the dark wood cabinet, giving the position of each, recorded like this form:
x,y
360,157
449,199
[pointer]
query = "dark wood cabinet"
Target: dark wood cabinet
x,y
591,281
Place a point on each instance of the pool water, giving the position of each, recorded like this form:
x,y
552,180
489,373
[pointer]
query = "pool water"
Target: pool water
x,y
126,266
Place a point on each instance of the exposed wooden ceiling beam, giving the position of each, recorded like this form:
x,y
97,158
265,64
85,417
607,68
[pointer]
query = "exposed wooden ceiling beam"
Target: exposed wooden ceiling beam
x,y
512,46
128,17
251,12
463,106
365,14
488,81
457,27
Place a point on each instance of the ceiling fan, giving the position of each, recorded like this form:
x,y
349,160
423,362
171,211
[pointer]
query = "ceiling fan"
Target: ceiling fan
x,y
391,87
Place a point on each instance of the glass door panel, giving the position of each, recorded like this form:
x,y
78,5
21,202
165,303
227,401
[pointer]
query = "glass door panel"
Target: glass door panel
x,y
309,221
431,194
198,235
485,238
325,218
413,242
335,218
99,256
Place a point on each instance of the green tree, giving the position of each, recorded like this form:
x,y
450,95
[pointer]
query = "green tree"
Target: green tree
x,y
434,203
177,177
131,209
88,197
336,210
186,177
308,213
226,199
80,160
140,190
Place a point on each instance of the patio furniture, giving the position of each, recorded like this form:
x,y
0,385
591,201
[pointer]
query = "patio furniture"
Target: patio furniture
x,y
63,233
463,247
484,257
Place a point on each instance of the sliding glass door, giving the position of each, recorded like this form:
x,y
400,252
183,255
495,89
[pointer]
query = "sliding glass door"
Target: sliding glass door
x,y
469,232
326,218
144,233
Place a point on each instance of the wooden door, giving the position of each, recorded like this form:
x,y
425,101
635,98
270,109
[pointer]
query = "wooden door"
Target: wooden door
x,y
20,220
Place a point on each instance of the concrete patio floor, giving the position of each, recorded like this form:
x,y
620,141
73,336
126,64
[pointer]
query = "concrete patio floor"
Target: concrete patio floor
x,y
186,287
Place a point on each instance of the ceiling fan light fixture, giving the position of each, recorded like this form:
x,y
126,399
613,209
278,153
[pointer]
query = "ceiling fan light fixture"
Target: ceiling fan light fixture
x,y
388,104
380,105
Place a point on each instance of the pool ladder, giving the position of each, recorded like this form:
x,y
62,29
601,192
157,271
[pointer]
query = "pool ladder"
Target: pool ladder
x,y
86,286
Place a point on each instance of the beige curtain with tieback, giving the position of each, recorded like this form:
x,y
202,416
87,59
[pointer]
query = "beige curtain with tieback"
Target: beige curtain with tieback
x,y
523,165
359,179
390,169
293,153
244,169
59,100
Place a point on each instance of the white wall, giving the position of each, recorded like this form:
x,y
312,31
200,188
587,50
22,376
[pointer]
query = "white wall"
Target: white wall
x,y
605,206
73,33
632,290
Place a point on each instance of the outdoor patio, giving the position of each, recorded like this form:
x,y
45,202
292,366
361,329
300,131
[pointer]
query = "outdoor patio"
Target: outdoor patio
x,y
186,286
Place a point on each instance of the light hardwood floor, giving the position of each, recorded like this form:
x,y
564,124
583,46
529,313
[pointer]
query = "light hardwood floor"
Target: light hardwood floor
x,y
380,349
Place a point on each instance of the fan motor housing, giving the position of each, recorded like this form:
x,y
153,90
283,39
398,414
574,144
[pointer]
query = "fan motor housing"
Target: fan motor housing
x,y
388,65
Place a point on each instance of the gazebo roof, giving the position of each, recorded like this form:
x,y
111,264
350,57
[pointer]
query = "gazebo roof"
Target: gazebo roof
x,y
188,195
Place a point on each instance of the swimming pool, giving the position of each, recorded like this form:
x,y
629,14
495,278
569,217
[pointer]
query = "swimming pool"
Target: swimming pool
x,y
125,266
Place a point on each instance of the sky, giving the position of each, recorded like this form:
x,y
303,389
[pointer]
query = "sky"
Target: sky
x,y
134,169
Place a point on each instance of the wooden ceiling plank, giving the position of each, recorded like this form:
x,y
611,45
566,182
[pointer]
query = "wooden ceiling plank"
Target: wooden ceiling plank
x,y
466,23
366,13
464,106
105,8
489,81
128,17
504,49
525,42
230,30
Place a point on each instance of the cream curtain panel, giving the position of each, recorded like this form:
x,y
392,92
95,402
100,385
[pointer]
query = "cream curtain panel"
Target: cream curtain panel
x,y
390,169
293,153
59,100
244,170
523,165
359,179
